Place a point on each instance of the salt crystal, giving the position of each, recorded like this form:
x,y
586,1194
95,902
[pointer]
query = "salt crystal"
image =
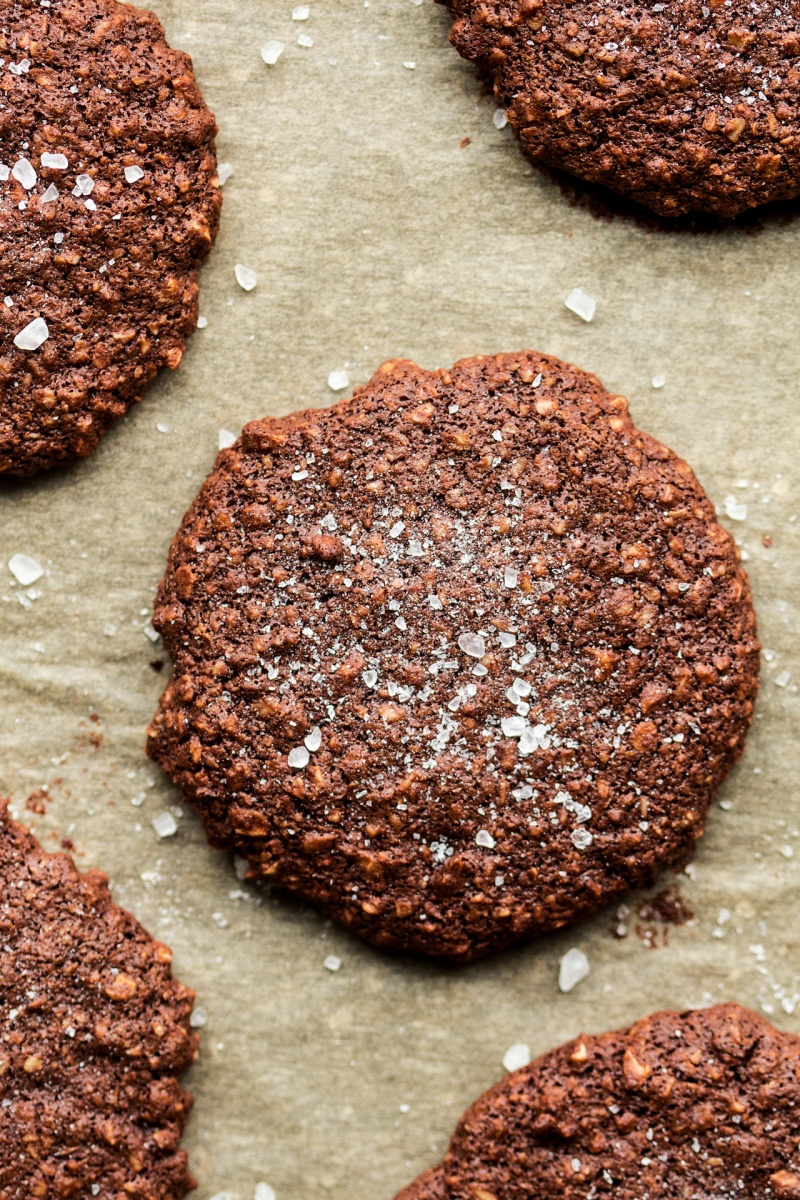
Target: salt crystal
x,y
522,687
202,322
581,838
507,640
34,335
305,41
516,1056
332,963
84,186
245,277
572,968
26,570
198,1018
301,13
50,195
510,577
313,740
472,644
24,173
338,380
513,727
410,66
400,623
734,509
782,679
370,678
299,758
658,381
225,439
582,305
133,174
271,52
485,839
4,172
224,172
263,1192
397,529
56,162
165,825
499,118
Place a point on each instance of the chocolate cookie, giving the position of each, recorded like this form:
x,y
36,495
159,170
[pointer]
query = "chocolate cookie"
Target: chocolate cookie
x,y
698,1104
458,660
109,203
94,1032
681,106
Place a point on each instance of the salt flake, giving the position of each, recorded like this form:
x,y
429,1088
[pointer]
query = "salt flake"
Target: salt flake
x,y
472,644
271,52
581,304
165,825
133,174
26,570
338,381
573,967
484,838
516,1056
34,335
245,277
24,173
56,162
299,758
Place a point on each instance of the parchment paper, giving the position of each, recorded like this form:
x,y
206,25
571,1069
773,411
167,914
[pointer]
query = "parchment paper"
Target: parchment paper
x,y
374,234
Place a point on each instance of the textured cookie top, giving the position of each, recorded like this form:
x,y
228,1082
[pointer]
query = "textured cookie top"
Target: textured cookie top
x,y
702,1104
109,203
93,1034
680,105
458,659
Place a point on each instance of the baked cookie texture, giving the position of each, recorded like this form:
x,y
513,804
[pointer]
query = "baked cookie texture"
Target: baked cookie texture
x,y
457,660
94,1032
696,1104
109,203
681,106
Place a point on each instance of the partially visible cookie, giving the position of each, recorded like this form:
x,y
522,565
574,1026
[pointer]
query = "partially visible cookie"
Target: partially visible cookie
x,y
680,106
109,203
94,1033
696,1104
458,660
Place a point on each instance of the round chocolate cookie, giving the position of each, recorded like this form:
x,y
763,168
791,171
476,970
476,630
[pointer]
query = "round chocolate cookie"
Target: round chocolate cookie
x,y
701,1104
681,106
457,660
94,1032
109,203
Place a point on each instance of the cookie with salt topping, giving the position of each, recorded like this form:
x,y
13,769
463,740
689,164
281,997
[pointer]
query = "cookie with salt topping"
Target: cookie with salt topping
x,y
457,660
109,203
94,1033
681,106
703,1103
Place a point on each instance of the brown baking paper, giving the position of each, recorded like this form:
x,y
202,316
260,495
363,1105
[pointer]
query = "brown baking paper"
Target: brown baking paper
x,y
377,231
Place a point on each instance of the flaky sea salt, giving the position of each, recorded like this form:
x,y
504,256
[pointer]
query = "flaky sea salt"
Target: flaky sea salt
x,y
338,380
734,509
245,277
484,838
199,1018
581,304
516,1056
304,40
26,570
313,740
84,186
56,162
299,758
332,963
34,335
225,439
50,195
472,644
581,839
301,12
573,967
658,381
133,174
271,52
24,173
511,577
499,118
165,825
264,1192
224,172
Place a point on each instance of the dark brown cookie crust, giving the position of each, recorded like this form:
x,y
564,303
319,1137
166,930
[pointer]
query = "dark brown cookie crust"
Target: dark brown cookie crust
x,y
703,1103
679,105
338,577
94,80
94,1032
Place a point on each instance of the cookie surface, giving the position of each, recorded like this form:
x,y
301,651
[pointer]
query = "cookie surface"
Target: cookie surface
x,y
679,105
700,1104
94,1032
109,203
458,660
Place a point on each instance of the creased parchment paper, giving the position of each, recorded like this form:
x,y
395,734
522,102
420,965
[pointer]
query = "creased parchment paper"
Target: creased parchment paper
x,y
374,233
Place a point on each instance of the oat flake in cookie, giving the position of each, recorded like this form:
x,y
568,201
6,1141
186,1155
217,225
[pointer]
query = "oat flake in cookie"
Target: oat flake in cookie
x,y
457,660
109,203
680,105
94,1033
699,1104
